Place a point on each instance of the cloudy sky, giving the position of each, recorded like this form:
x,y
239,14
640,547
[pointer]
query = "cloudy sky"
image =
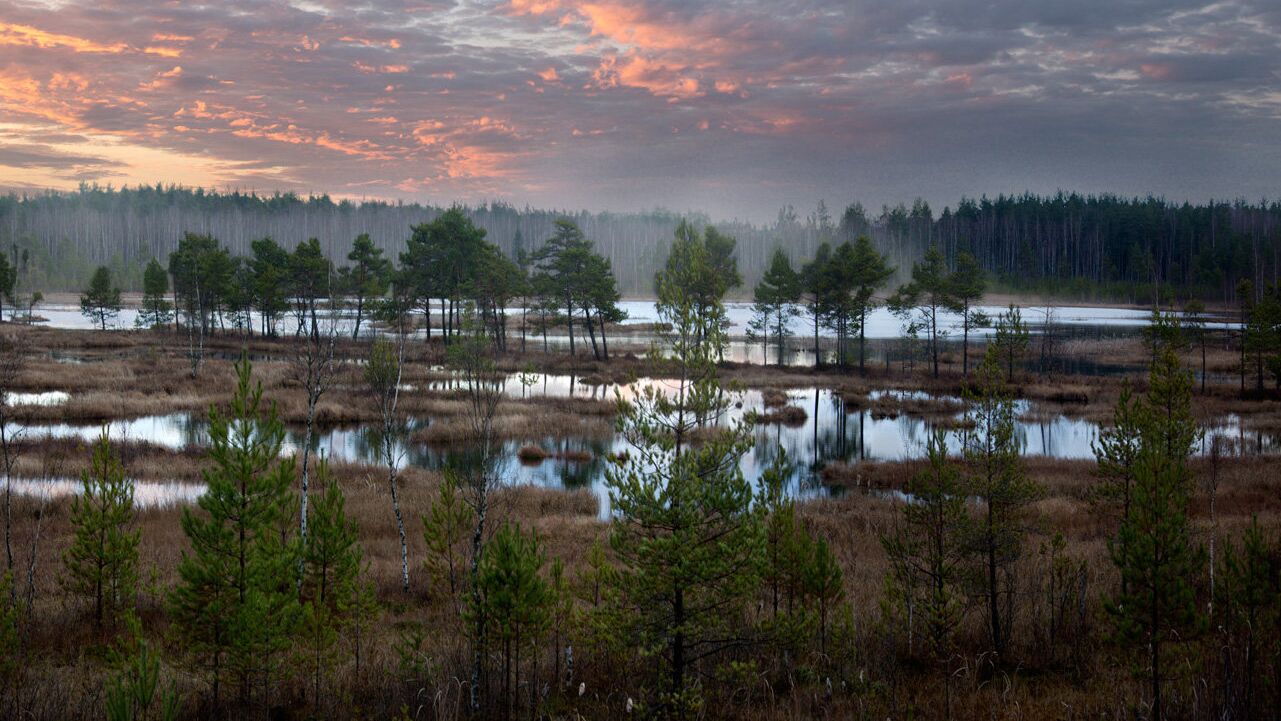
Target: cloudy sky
x,y
731,106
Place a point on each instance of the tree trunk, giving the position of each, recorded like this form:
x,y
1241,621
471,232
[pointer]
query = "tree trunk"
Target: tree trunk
x,y
400,528
678,643
569,318
934,339
591,332
360,309
604,342
818,362
862,342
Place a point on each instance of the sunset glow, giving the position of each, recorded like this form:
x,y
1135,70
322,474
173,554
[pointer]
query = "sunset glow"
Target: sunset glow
x,y
597,103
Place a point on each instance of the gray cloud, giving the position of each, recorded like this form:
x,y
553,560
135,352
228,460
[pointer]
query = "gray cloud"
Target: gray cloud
x,y
40,156
735,107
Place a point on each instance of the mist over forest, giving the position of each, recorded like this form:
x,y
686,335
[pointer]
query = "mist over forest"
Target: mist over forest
x,y
1067,245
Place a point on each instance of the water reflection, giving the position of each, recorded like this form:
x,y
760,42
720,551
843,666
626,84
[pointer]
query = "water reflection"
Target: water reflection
x,y
46,398
884,330
146,494
876,428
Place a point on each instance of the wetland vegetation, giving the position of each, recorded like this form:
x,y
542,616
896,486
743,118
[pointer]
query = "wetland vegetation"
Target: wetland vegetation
x,y
441,506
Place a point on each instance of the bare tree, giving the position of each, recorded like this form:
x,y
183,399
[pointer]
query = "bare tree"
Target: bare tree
x,y
471,356
1212,488
195,334
383,374
50,469
12,424
314,367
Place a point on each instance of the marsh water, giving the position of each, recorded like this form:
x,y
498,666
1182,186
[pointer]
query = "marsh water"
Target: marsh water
x,y
885,426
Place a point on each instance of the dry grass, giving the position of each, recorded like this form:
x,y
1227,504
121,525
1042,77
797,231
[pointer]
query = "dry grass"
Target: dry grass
x,y
792,416
144,373
773,398
568,524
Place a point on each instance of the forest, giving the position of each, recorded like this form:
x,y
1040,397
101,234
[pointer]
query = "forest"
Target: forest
x,y
1099,247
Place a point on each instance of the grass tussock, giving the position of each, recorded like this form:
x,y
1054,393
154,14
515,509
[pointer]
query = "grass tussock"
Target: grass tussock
x,y
792,416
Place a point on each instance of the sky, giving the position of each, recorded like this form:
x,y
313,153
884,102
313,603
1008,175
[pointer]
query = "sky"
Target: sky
x,y
733,107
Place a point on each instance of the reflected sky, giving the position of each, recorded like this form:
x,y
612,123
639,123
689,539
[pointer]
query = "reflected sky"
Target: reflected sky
x,y
833,431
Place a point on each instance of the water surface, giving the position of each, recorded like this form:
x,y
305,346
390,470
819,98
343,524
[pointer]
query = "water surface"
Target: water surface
x,y
833,430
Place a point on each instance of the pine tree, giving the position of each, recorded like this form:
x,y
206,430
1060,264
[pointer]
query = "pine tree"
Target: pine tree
x,y
813,277
135,693
703,266
779,511
269,274
968,284
928,550
101,300
1263,336
236,599
561,618
1251,616
310,279
1117,450
369,276
927,296
836,289
330,591
156,310
826,583
597,588
559,263
775,301
871,270
1010,338
1153,549
102,561
513,603
996,479
331,553
684,528
445,530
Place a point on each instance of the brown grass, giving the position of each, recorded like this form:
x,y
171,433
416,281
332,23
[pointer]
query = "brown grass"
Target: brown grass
x,y
63,675
787,416
773,398
531,454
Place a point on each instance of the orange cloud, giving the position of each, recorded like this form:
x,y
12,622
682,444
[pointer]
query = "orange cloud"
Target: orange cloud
x,y
388,69
11,34
392,43
28,36
662,57
25,95
549,75
68,81
294,135
534,7
162,79
163,52
655,76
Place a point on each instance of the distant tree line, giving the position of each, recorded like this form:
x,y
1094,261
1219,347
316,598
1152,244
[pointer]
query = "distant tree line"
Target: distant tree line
x,y
1101,246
